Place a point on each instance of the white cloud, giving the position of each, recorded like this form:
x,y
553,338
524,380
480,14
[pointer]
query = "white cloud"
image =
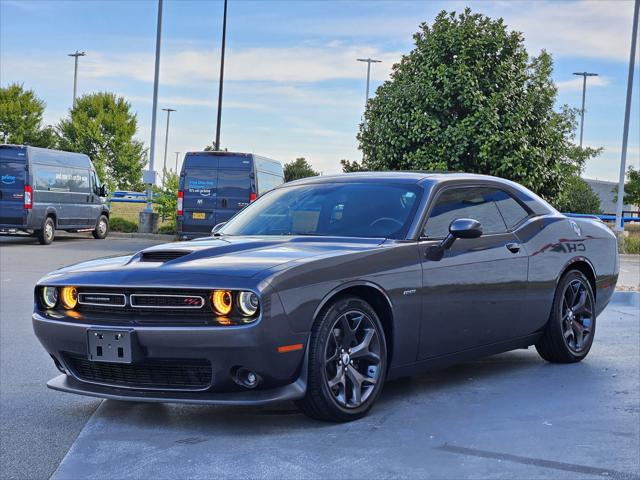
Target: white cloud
x,y
300,64
576,83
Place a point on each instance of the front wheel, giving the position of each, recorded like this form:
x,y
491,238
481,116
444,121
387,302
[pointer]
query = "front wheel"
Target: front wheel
x,y
102,228
347,362
569,333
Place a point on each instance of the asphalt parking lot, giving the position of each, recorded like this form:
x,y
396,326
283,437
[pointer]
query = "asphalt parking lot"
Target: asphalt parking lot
x,y
511,415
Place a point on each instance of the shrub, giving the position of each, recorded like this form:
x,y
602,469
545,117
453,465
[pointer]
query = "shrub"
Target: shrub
x,y
117,224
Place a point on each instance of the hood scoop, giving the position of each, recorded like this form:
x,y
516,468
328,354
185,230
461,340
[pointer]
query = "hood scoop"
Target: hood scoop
x,y
161,256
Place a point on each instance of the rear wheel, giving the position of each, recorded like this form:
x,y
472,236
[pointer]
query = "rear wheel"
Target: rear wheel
x,y
102,228
569,333
347,362
48,232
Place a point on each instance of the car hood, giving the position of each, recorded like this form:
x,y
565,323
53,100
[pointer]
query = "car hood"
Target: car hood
x,y
227,256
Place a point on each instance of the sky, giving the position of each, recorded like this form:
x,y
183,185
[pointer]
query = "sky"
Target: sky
x,y
292,84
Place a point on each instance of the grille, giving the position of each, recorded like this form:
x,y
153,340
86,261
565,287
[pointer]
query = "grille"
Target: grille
x,y
163,255
99,299
166,374
166,301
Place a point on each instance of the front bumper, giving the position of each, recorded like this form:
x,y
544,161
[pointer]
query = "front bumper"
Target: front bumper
x,y
282,376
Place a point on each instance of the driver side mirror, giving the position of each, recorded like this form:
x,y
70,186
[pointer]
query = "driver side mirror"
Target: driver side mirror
x,y
459,228
104,191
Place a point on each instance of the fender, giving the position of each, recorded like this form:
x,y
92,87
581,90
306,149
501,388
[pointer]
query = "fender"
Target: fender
x,y
575,260
345,286
51,211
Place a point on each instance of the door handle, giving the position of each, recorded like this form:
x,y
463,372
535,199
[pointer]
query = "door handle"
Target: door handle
x,y
513,247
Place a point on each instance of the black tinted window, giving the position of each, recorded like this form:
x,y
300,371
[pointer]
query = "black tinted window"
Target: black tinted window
x,y
476,202
347,210
512,212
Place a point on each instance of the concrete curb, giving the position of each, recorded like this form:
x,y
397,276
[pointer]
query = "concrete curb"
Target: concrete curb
x,y
628,299
146,236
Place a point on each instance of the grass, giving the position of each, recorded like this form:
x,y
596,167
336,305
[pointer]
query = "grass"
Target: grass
x,y
119,224
130,211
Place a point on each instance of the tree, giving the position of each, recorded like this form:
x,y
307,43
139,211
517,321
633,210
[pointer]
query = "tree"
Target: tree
x,y
21,114
631,188
102,126
166,198
468,98
577,197
299,168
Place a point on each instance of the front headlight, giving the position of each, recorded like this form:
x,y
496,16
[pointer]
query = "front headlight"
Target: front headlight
x,y
248,303
49,296
69,297
222,302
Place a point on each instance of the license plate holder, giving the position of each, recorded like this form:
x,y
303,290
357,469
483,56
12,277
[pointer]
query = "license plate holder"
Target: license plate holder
x,y
114,346
199,216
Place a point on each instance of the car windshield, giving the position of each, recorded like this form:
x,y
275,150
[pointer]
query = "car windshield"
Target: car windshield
x,y
339,209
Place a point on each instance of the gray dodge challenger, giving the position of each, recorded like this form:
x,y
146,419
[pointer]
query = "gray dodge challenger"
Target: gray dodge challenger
x,y
324,288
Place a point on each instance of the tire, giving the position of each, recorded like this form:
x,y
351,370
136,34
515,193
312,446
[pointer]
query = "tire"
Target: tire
x,y
348,321
569,333
48,232
102,228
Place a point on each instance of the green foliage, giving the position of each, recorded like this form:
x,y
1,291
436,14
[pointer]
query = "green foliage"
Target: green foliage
x,y
169,229
577,197
468,98
631,188
102,126
348,166
632,244
166,198
117,224
21,118
297,169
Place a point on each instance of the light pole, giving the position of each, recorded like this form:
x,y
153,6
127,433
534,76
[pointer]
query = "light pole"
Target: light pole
x,y
627,111
224,39
369,61
166,142
75,73
584,76
146,223
177,155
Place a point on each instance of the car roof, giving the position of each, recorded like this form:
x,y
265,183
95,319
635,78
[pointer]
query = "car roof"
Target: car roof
x,y
399,177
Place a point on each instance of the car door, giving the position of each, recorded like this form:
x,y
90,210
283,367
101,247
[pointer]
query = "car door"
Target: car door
x,y
13,175
95,201
476,294
200,197
234,186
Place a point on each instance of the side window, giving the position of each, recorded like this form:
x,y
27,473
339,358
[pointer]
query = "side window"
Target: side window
x,y
95,186
464,202
512,212
267,181
61,179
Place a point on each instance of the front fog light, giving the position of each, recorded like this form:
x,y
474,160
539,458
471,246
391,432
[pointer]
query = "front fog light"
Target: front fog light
x,y
222,302
69,297
248,303
49,296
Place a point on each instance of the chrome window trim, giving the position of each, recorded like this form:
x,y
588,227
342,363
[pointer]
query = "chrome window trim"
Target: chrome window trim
x,y
189,307
124,299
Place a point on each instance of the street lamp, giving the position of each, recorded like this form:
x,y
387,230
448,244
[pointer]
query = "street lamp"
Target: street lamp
x,y
224,38
166,141
627,111
369,61
75,73
584,76
177,155
146,223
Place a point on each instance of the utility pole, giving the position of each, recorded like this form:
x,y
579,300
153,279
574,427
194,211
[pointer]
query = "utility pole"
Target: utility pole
x,y
627,111
177,155
368,61
75,73
584,76
147,223
224,39
166,142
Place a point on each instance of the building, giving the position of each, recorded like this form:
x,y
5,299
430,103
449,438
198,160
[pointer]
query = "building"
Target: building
x,y
605,192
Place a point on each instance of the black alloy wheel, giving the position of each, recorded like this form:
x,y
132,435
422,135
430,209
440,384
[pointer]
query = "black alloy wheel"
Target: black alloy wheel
x,y
347,362
570,330
577,315
352,358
